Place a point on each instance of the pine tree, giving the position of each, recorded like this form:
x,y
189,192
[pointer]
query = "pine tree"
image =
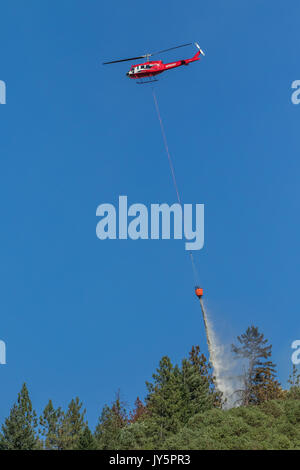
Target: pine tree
x,y
177,393
19,429
86,440
73,425
199,389
139,412
294,381
63,430
260,382
294,378
165,400
51,423
112,420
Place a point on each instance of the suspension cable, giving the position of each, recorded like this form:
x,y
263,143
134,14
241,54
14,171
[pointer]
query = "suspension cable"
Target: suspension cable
x,y
195,272
166,146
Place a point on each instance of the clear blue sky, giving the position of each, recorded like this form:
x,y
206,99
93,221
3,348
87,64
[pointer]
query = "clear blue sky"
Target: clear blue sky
x,y
85,317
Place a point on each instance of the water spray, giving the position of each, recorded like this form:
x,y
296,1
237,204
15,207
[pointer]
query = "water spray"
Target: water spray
x,y
199,294
226,379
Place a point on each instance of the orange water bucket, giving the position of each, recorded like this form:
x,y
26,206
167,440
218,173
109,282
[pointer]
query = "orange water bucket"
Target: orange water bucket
x,y
199,292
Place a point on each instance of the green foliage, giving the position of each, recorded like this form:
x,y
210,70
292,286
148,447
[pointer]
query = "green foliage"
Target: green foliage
x,y
143,434
273,425
19,429
86,440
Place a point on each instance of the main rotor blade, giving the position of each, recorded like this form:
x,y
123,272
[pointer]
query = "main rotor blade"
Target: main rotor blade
x,y
146,55
171,48
124,60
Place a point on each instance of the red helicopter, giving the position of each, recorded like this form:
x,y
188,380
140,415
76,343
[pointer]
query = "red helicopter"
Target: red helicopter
x,y
149,70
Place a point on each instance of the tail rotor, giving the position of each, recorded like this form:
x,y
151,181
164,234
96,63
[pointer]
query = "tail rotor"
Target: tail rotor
x,y
201,51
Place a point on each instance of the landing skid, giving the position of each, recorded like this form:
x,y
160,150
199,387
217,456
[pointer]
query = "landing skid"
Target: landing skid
x,y
144,81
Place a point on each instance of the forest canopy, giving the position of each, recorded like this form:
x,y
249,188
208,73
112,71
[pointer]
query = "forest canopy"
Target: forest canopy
x,y
183,410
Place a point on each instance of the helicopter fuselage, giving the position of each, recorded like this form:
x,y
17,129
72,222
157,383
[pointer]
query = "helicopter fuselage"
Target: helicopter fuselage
x,y
152,68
